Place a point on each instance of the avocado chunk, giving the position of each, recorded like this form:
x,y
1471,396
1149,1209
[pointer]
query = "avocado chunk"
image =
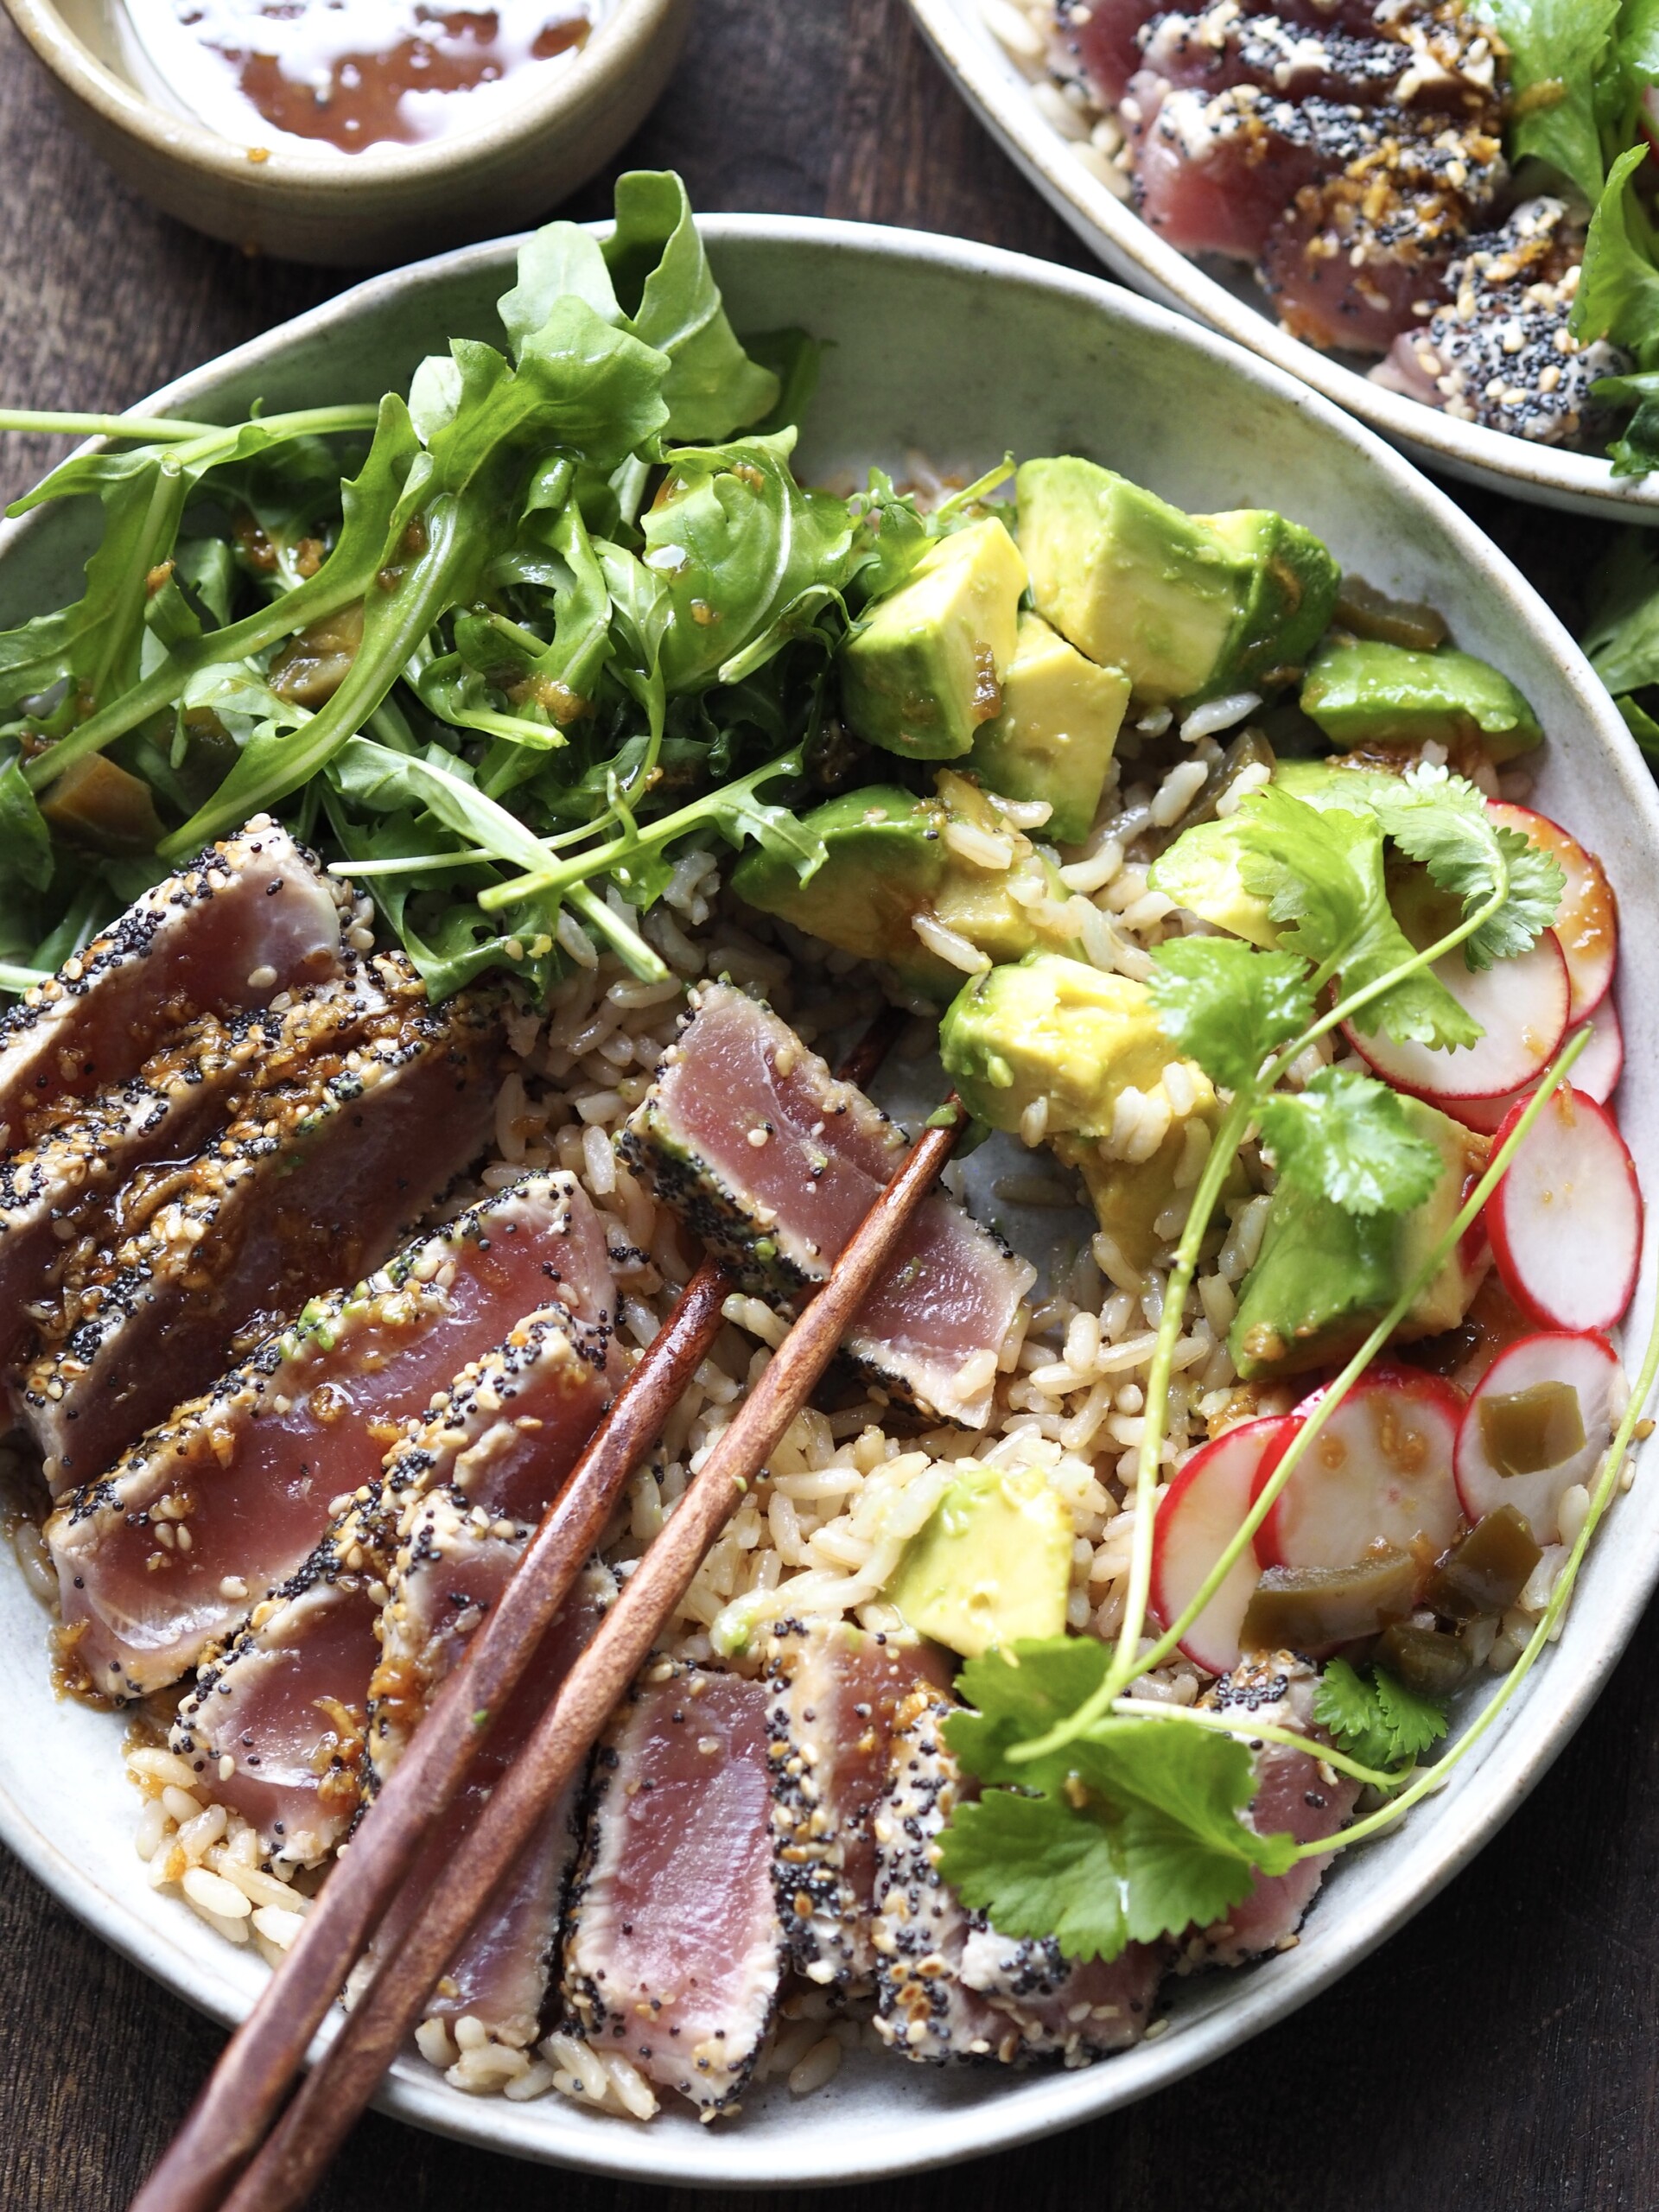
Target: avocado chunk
x,y
923,667
1200,870
1360,692
991,1565
1130,1196
892,860
1053,739
1054,1032
1189,606
1324,1278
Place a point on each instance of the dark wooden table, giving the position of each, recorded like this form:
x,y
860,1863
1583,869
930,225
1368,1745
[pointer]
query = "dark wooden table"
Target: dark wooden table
x,y
1497,2055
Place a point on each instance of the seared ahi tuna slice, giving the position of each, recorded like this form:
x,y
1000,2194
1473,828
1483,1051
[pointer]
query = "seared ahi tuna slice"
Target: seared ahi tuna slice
x,y
835,1696
252,917
169,1554
674,1951
773,1163
1443,60
453,1563
1293,1791
55,1197
276,1724
277,1721
950,1987
1060,2007
312,1182
926,2011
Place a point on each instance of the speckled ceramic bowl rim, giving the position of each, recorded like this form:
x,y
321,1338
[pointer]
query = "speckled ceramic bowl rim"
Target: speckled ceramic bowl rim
x,y
993,87
1221,2012
609,53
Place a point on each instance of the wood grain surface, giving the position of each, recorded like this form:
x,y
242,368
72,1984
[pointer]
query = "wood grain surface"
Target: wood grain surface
x,y
1499,2054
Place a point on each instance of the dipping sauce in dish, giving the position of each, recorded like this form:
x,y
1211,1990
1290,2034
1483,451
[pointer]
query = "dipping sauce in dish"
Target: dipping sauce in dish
x,y
353,74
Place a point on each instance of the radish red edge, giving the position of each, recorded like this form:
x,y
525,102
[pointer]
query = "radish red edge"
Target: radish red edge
x,y
1198,1517
1586,924
1378,1052
1603,1153
1553,1352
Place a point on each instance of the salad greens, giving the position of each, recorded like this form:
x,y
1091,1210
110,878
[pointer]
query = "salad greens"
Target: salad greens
x,y
581,613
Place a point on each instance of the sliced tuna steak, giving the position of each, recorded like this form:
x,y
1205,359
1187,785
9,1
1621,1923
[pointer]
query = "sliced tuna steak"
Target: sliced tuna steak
x,y
55,1198
1293,1792
276,1724
1060,2007
675,1952
452,1565
773,1164
926,2011
251,918
169,1554
1221,46
312,1182
835,1696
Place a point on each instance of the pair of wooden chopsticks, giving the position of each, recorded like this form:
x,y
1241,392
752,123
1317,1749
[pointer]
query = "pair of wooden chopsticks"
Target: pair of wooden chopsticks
x,y
238,2150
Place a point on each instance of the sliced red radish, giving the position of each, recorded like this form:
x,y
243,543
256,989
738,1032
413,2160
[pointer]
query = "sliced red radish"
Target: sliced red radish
x,y
1521,1004
1202,1511
1539,1420
1586,923
1565,1221
1379,1471
1596,1072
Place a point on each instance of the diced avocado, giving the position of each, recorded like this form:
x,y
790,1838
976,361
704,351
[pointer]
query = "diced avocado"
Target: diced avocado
x,y
924,668
1324,1278
992,1563
1188,605
1361,691
891,859
1128,1197
1057,1030
1200,870
1053,739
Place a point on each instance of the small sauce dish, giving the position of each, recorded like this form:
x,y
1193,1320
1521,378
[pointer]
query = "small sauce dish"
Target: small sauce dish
x,y
356,130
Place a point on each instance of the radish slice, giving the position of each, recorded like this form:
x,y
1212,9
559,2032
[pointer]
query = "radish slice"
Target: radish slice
x,y
1380,1470
1586,924
1202,1511
1565,1221
1594,1395
1521,1004
1596,1072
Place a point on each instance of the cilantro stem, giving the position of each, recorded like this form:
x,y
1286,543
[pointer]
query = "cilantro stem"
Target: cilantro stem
x,y
629,947
1435,1776
1247,1726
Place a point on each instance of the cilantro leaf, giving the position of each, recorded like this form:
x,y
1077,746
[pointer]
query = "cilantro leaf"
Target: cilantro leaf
x,y
1441,820
1379,1722
1173,1879
1009,1700
1556,51
1346,1138
1201,1779
1635,450
1228,1007
1322,875
1037,1867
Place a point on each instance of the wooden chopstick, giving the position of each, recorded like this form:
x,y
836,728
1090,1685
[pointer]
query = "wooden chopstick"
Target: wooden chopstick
x,y
345,2077
242,2097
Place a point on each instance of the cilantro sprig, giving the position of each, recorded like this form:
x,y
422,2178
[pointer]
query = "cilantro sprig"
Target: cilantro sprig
x,y
1375,1716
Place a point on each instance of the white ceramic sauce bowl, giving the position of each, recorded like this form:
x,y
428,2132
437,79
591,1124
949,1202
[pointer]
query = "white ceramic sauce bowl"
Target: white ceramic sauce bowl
x,y
386,203
964,351
1225,295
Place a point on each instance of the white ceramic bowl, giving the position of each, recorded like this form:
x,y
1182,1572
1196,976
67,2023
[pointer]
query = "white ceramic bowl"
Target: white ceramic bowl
x,y
1226,296
966,351
387,203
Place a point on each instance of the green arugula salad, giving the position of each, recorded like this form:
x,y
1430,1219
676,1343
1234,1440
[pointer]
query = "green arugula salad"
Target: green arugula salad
x,y
1210,871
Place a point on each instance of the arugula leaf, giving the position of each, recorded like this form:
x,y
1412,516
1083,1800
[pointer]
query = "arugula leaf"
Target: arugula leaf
x,y
1379,1722
1442,821
1617,296
744,554
1227,1005
1640,723
1622,634
795,358
1635,450
1322,876
1557,51
1346,1138
25,841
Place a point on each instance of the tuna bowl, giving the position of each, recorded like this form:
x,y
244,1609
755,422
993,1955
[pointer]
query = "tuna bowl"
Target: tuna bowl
x,y
1225,294
971,353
